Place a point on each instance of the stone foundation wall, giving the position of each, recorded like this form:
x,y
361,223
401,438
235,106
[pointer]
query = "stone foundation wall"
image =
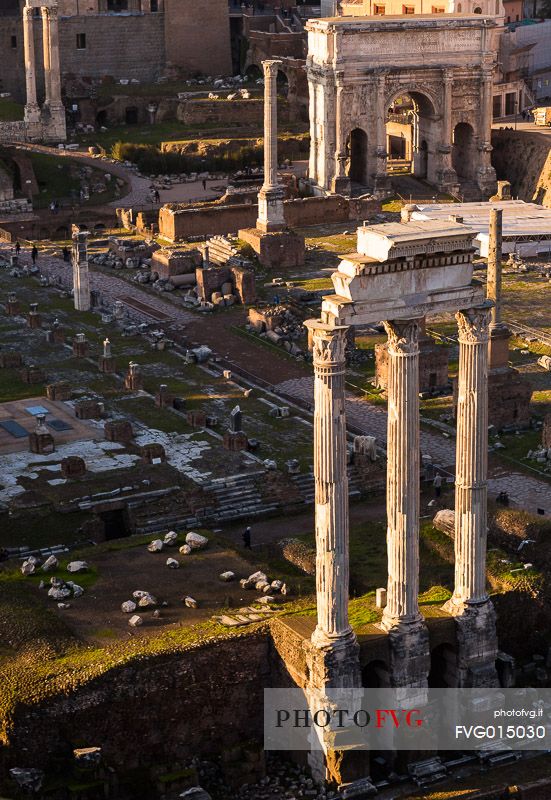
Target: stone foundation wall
x,y
179,223
524,159
155,711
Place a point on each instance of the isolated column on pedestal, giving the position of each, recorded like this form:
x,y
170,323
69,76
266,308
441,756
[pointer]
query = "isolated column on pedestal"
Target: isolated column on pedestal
x,y
270,197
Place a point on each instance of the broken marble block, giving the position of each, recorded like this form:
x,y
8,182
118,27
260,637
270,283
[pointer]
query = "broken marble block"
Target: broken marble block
x,y
50,563
128,607
28,566
227,576
196,541
59,592
267,599
147,601
185,550
135,620
156,546
77,566
276,586
172,563
75,588
170,538
190,602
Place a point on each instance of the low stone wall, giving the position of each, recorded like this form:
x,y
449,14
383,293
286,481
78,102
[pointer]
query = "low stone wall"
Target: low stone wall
x,y
524,159
176,223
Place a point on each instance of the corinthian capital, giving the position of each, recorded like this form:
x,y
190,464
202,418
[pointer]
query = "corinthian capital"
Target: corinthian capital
x,y
271,67
328,343
474,324
403,336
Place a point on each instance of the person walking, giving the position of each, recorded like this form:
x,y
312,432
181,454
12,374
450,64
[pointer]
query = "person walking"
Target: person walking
x,y
437,483
204,182
247,538
156,196
34,254
17,248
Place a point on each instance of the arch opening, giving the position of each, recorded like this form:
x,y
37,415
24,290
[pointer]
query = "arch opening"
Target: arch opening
x,y
131,115
464,151
282,83
443,667
412,136
253,72
357,156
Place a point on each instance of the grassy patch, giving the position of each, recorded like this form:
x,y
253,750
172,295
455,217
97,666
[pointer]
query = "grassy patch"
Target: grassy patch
x,y
145,410
10,111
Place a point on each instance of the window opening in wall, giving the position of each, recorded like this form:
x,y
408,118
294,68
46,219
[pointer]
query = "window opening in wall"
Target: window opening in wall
x,y
81,41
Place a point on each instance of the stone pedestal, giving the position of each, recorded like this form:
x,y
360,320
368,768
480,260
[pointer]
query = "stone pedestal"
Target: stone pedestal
x,y
107,364
13,307
41,440
133,379
9,360
401,617
80,346
164,398
118,430
470,605
34,320
235,441
278,250
58,391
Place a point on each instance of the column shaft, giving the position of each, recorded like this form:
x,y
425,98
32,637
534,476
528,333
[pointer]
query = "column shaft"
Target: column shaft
x,y
472,457
55,68
403,473
46,53
494,263
30,67
331,484
270,123
381,126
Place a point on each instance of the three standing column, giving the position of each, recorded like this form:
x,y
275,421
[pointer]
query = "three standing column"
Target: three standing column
x,y
331,485
470,605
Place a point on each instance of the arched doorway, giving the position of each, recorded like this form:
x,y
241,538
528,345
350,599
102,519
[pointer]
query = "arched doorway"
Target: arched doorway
x,y
282,84
464,151
443,667
375,675
357,156
131,115
101,118
412,135
253,72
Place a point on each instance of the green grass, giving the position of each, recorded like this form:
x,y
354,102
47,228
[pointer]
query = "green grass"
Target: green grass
x,y
161,419
10,111
13,388
36,530
58,179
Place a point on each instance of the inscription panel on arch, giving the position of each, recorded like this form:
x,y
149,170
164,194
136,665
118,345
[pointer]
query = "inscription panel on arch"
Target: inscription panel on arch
x,y
383,44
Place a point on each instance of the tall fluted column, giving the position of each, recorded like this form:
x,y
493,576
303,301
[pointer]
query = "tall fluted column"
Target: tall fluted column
x,y
331,484
381,177
475,616
472,457
402,491
55,68
486,109
485,173
32,111
81,278
495,246
341,182
270,197
46,53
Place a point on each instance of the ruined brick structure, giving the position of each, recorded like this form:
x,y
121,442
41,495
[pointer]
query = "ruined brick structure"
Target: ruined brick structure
x,y
58,391
433,365
118,430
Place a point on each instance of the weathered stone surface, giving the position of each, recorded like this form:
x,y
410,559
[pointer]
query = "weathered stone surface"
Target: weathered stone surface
x,y
77,566
196,541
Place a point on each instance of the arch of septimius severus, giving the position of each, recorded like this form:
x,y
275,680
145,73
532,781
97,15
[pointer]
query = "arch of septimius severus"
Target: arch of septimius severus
x,y
46,121
358,66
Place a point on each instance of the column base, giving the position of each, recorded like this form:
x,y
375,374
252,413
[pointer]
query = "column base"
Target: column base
x,y
271,216
381,185
486,180
334,664
341,185
477,646
32,113
409,652
447,181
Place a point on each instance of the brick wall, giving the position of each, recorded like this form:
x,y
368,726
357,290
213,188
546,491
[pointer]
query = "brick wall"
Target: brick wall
x,y
176,224
198,36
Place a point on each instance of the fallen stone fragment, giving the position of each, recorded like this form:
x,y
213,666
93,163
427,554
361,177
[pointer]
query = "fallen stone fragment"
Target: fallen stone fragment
x,y
128,607
227,576
64,605
190,602
50,563
196,541
195,793
267,599
77,566
276,586
76,589
157,613
185,550
59,592
170,538
147,601
135,621
28,567
172,563
156,546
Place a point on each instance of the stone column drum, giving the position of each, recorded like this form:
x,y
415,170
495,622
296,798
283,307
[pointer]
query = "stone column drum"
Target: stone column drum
x,y
81,277
401,616
470,605
270,197
46,50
